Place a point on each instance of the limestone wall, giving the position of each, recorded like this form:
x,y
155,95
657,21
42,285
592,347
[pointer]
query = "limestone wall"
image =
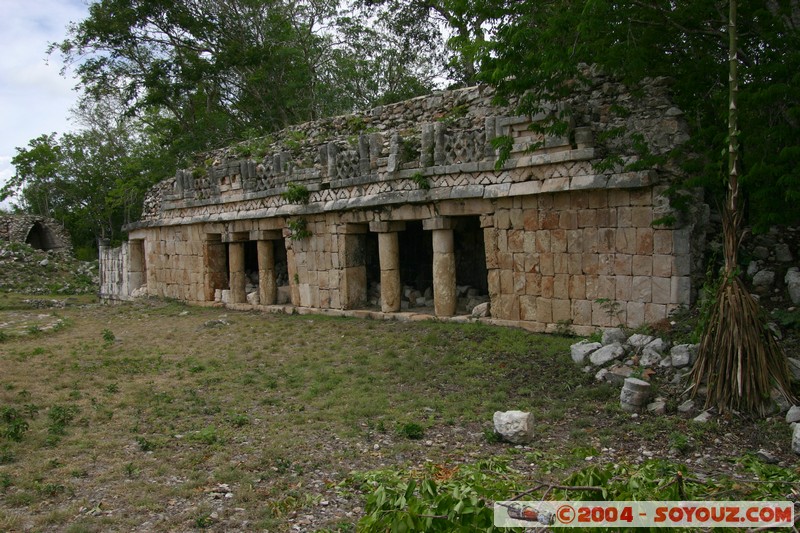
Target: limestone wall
x,y
572,223
40,232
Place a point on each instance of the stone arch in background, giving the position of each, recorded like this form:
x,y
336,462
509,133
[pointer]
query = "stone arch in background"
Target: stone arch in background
x,y
42,238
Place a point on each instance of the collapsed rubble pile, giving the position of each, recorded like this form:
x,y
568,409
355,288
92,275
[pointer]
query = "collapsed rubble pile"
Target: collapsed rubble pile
x,y
26,270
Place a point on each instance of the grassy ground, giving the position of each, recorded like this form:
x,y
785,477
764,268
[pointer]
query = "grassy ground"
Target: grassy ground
x,y
157,416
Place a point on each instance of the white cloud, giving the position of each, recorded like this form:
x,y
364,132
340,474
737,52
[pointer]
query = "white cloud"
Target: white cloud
x,y
34,97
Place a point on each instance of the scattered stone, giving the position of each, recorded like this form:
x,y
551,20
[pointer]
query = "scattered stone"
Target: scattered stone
x,y
481,310
762,252
650,358
703,417
601,375
617,374
682,354
782,253
514,426
766,457
639,340
754,267
606,354
658,407
581,349
686,407
44,262
793,414
781,403
612,335
764,279
794,367
792,280
658,345
253,298
796,439
634,394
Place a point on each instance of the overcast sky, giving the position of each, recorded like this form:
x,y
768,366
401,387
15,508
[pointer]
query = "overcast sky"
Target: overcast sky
x,y
34,98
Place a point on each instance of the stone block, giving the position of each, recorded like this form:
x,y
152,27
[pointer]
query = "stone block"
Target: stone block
x,y
527,308
589,264
642,265
568,219
530,219
624,217
574,241
546,266
605,264
641,217
654,313
533,284
575,263
644,241
662,266
592,287
661,290
544,310
587,218
641,289
623,288
580,350
506,282
561,310
516,239
558,242
680,290
606,240
626,240
515,427
577,287
561,286
662,242
635,314
581,312
543,239
546,286
606,354
561,263
623,264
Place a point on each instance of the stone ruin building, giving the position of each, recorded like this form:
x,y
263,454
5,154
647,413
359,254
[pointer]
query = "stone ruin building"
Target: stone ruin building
x,y
41,233
405,212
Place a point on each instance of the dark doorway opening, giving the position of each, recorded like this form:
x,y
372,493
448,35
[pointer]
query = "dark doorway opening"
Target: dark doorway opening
x,y
472,283
251,266
41,238
416,265
373,266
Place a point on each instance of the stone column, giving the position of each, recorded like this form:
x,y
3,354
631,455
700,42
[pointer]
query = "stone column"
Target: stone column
x,y
444,267
267,285
238,281
391,288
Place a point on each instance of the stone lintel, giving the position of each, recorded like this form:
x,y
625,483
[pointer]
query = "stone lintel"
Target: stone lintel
x,y
437,223
353,229
266,235
380,226
236,236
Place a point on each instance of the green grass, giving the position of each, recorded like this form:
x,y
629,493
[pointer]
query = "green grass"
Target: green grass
x,y
146,404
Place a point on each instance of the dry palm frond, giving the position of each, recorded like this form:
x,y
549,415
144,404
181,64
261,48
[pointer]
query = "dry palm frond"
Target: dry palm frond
x,y
739,358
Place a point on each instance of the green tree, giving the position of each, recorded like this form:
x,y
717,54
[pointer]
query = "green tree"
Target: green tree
x,y
538,46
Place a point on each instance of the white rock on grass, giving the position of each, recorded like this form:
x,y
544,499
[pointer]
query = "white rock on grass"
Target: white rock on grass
x,y
657,345
703,417
639,340
606,354
796,439
764,279
514,426
793,414
634,394
658,407
612,335
581,349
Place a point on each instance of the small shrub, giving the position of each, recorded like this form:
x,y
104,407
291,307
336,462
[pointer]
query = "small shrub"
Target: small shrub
x,y
491,436
296,194
145,445
239,420
299,228
108,337
412,430
60,416
421,181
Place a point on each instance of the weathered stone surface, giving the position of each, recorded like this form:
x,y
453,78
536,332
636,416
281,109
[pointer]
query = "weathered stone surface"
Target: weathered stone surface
x,y
634,394
606,354
796,439
650,357
783,253
618,373
657,407
686,407
612,335
581,349
639,340
682,355
764,279
793,414
703,417
253,298
481,310
514,426
794,367
658,345
792,280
